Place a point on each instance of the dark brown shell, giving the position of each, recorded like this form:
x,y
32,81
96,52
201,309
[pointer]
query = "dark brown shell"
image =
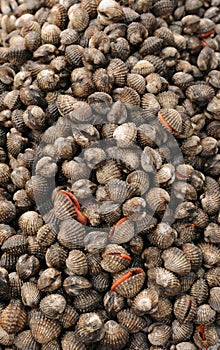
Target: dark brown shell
x,y
13,317
26,341
43,329
16,245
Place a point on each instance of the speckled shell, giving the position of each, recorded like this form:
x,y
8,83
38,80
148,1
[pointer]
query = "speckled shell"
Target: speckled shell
x,y
109,12
159,334
210,254
13,317
115,258
185,309
7,211
26,341
46,235
146,301
74,285
171,119
71,342
53,305
116,336
76,262
132,322
27,266
132,285
44,329
30,222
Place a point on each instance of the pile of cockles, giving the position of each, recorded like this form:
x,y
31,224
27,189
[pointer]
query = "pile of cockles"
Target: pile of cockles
x,y
109,174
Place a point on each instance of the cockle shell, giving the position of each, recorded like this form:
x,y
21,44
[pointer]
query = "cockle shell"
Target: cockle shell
x,y
115,258
132,285
44,329
13,317
176,261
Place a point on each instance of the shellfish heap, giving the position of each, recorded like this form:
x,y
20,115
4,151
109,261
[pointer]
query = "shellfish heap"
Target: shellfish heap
x,y
109,174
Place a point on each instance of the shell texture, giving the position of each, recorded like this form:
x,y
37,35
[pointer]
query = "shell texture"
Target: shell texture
x,y
109,174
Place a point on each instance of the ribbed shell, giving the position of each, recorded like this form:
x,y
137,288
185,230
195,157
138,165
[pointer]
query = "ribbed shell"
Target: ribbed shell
x,y
125,134
7,211
30,294
163,8
214,298
205,314
151,45
115,338
69,317
168,99
110,211
138,179
118,71
163,312
181,332
87,301
118,190
115,258
71,234
101,282
171,119
212,277
168,283
157,199
13,317
122,233
159,334
185,308
56,256
176,261
136,82
163,236
194,254
108,171
30,222
15,245
44,329
200,290
76,262
132,285
132,322
46,235
26,341
200,93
